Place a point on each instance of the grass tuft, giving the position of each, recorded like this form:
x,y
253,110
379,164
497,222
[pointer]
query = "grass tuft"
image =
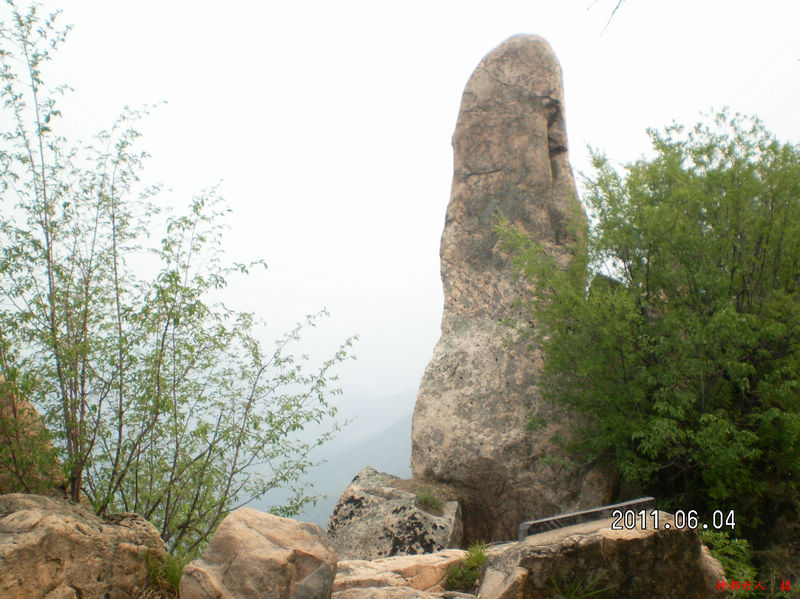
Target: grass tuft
x,y
579,590
427,500
165,570
465,576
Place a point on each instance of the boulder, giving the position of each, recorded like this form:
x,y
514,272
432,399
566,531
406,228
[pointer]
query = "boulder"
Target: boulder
x,y
426,572
255,554
375,518
665,563
480,386
53,549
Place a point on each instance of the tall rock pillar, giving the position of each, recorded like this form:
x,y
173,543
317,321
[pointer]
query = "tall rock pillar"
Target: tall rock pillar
x,y
468,430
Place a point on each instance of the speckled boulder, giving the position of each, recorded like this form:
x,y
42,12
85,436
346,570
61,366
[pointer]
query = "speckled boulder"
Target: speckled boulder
x,y
375,519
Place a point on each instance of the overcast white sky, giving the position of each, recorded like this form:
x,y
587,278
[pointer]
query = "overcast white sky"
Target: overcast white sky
x,y
329,124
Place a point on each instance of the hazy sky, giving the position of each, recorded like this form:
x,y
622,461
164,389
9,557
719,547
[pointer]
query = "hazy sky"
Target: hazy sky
x,y
329,124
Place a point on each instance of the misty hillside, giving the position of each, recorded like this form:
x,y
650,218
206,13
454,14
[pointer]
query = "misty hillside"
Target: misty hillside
x,y
379,435
387,450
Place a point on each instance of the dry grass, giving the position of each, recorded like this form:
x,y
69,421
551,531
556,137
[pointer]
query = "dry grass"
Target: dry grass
x,y
159,591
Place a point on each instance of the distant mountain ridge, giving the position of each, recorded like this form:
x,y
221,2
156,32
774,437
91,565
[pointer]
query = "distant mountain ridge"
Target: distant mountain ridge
x,y
378,436
387,450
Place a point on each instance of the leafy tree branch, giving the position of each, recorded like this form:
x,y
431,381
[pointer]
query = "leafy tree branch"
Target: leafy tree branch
x,y
160,401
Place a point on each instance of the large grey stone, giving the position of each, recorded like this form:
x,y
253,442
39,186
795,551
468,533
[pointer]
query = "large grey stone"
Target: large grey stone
x,y
374,518
510,157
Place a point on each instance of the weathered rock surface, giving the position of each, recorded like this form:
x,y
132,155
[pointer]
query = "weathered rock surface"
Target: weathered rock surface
x,y
468,430
375,519
591,556
53,549
401,577
394,593
255,554
426,572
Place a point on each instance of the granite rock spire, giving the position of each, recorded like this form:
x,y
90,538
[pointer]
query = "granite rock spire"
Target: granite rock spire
x,y
510,157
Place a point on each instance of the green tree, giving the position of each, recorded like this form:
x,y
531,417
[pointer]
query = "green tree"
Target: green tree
x,y
161,402
675,333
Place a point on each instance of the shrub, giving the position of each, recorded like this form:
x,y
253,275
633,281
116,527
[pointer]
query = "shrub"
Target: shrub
x,y
427,500
464,577
161,401
164,571
579,590
675,330
735,555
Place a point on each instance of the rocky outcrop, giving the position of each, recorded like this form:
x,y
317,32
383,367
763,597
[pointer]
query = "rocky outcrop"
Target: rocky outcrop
x,y
53,549
591,556
375,518
254,554
579,560
419,572
510,156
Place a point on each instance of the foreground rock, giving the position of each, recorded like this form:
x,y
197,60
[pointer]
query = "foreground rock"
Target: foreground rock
x,y
374,519
418,572
669,564
510,156
254,554
53,549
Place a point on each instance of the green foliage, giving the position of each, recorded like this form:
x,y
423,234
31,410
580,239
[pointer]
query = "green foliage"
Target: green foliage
x,y
464,577
741,563
164,570
776,565
735,555
676,331
427,499
161,402
28,461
